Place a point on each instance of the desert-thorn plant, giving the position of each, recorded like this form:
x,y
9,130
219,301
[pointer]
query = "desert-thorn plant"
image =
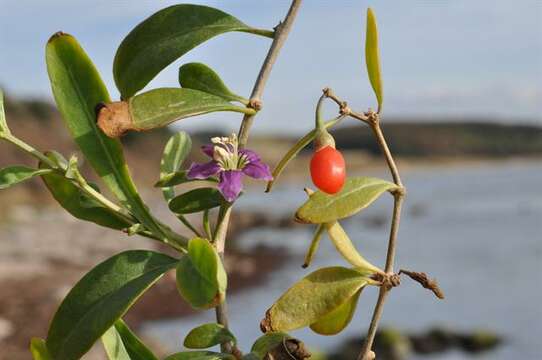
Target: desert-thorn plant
x,y
325,300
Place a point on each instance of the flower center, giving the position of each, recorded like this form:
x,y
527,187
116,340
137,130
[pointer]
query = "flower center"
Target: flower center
x,y
226,153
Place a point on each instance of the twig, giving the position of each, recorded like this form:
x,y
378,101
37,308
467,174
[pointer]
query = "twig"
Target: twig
x,y
281,33
374,121
424,281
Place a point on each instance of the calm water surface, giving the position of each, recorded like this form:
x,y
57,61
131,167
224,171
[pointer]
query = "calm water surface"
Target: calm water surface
x,y
477,229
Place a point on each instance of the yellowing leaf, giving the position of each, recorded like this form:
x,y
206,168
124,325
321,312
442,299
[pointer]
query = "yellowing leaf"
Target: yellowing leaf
x,y
344,246
312,298
335,322
356,194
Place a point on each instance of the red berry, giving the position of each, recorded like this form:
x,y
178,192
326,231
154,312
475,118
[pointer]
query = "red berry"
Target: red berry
x,y
328,170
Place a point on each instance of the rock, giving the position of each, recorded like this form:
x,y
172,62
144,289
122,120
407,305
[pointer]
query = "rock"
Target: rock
x,y
391,344
437,339
478,341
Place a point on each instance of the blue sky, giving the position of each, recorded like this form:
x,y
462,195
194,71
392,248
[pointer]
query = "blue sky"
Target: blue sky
x,y
451,58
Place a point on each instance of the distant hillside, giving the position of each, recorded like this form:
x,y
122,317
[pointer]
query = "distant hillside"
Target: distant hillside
x,y
420,139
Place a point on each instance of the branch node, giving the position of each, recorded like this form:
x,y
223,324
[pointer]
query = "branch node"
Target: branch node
x,y
387,281
255,104
399,191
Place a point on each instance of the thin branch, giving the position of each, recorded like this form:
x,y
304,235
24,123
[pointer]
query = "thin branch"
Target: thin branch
x,y
281,34
374,121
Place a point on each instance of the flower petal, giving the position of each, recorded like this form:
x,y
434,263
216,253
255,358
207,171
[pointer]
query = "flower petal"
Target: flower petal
x,y
208,149
203,171
250,155
258,170
231,184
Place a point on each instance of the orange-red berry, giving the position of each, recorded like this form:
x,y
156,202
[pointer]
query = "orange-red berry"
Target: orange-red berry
x,y
328,170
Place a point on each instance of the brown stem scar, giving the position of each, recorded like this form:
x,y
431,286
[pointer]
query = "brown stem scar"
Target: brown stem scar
x,y
114,118
424,281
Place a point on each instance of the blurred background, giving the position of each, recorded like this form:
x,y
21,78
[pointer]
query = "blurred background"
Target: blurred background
x,y
463,116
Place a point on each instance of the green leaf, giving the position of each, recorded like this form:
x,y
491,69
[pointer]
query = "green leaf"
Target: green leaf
x,y
314,245
12,175
296,149
208,335
78,90
200,77
196,200
113,345
356,194
135,347
250,356
102,297
201,278
178,178
372,57
200,355
268,342
78,204
335,322
160,107
164,37
313,297
3,124
344,246
39,349
121,337
175,152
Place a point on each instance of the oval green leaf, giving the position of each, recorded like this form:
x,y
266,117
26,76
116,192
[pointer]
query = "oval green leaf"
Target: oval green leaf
x,y
100,298
268,342
12,175
200,77
296,149
200,355
196,200
201,278
208,335
39,349
313,297
79,205
160,107
78,89
3,123
344,246
356,194
372,57
175,152
164,37
335,322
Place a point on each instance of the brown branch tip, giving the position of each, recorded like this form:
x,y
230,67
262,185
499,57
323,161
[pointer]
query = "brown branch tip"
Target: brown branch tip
x,y
424,281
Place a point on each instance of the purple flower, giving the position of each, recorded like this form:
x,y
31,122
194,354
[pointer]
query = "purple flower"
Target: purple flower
x,y
230,165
